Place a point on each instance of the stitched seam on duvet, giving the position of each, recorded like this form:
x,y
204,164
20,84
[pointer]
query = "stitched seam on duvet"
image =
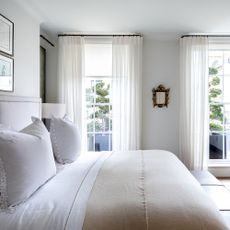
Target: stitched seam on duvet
x,y
89,169
142,178
3,192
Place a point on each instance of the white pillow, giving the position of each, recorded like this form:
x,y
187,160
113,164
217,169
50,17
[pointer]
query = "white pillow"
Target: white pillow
x,y
65,139
26,163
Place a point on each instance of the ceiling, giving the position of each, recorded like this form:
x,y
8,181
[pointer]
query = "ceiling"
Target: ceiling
x,y
152,18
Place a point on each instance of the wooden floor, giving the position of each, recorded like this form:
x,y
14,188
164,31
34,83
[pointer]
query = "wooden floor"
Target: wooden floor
x,y
225,181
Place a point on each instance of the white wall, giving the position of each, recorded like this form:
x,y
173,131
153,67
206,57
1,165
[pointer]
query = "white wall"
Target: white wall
x,y
26,50
51,66
160,66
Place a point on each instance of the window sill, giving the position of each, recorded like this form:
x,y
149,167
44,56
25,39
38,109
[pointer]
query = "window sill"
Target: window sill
x,y
219,164
219,169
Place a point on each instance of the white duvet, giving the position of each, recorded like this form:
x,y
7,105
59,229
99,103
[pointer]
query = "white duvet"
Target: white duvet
x,y
62,198
129,190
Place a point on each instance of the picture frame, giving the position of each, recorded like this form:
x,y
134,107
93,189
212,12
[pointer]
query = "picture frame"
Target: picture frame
x,y
6,36
6,73
160,96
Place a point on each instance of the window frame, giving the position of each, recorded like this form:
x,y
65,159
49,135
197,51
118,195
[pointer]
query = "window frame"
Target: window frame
x,y
99,41
94,104
219,45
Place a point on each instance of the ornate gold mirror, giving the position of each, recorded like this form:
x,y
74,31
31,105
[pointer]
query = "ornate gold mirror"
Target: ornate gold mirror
x,y
160,96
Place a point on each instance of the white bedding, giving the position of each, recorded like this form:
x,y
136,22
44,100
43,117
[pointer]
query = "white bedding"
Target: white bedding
x,y
53,205
71,200
149,190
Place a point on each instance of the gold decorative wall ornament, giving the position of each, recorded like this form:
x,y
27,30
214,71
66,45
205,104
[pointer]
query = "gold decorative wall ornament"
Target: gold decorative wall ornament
x,y
160,96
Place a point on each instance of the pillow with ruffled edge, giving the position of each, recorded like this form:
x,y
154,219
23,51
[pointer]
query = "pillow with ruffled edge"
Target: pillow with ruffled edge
x,y
66,140
26,163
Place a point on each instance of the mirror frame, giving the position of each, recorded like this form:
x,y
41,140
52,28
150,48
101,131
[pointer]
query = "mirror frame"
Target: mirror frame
x,y
157,101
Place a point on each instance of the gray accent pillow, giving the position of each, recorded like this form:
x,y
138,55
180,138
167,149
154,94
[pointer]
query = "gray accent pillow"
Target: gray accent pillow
x,y
26,163
65,139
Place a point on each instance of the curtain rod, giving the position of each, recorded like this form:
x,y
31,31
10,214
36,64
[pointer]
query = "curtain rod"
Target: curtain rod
x,y
47,40
100,35
214,36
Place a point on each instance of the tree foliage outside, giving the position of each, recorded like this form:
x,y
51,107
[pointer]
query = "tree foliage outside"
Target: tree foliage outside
x,y
99,115
216,109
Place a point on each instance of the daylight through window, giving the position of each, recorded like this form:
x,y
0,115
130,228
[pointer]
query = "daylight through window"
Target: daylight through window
x,y
219,103
98,69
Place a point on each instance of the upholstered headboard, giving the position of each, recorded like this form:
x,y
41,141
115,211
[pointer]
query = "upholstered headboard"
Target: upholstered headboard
x,y
17,111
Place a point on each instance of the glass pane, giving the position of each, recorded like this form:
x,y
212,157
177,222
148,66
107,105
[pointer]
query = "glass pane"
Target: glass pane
x,y
103,91
90,118
216,117
227,63
103,142
216,148
215,62
215,88
90,142
98,59
89,91
227,89
102,118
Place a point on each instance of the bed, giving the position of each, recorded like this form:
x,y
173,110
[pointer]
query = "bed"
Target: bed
x,y
148,189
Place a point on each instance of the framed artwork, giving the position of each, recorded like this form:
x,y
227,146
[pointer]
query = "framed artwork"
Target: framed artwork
x,y
6,36
6,73
160,96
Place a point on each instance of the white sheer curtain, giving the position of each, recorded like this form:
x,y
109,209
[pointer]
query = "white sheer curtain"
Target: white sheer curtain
x,y
71,78
127,93
194,118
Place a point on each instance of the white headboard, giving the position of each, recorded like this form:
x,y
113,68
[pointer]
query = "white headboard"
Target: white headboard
x,y
17,111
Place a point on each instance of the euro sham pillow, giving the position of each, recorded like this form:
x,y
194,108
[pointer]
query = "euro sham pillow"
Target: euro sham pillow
x,y
26,163
65,139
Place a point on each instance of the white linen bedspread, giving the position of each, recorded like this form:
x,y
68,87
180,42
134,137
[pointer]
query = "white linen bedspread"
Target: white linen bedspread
x,y
52,205
149,190
133,190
